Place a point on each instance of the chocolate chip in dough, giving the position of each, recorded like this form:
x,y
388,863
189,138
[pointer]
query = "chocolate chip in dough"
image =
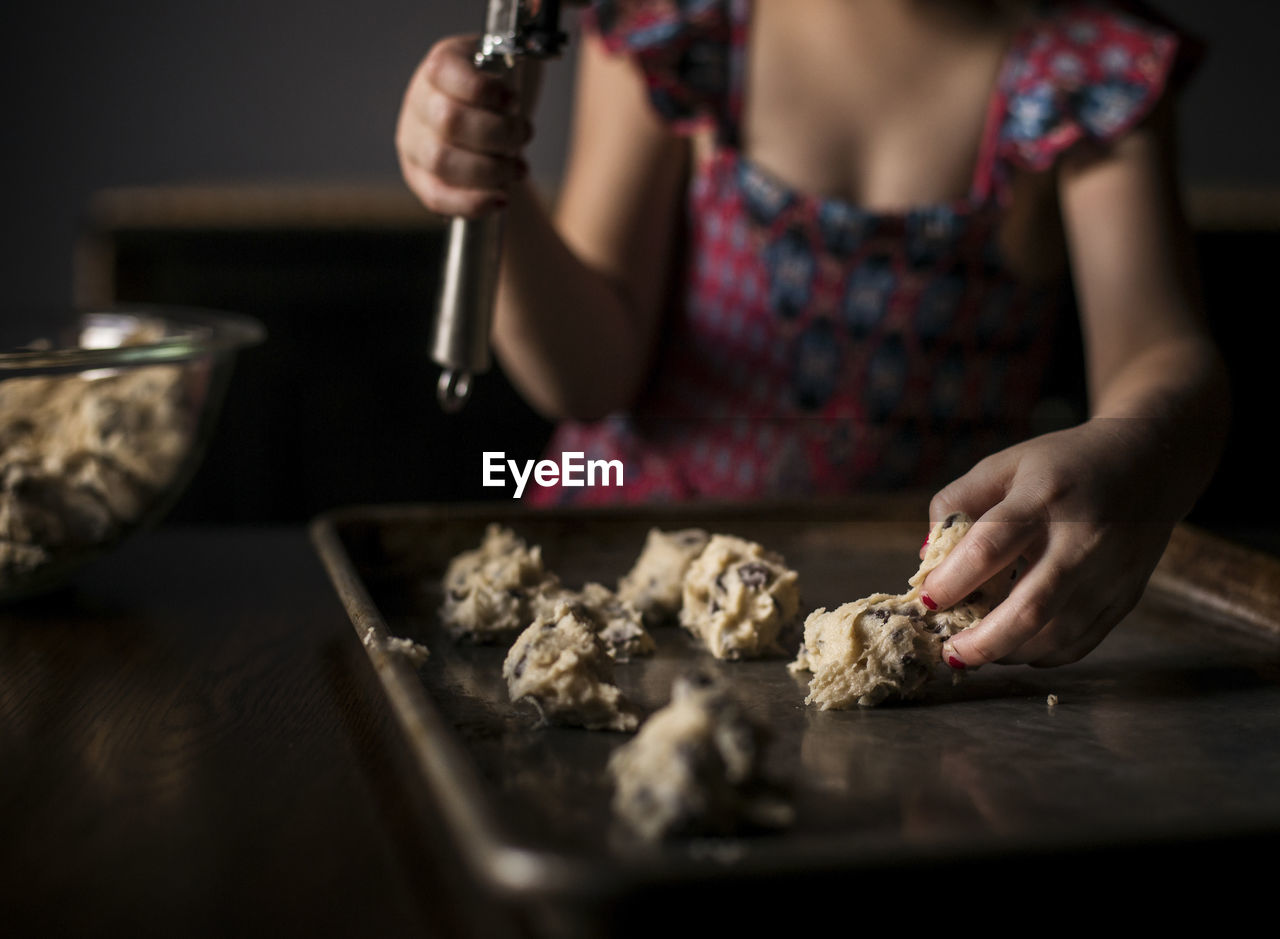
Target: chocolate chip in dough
x,y
755,575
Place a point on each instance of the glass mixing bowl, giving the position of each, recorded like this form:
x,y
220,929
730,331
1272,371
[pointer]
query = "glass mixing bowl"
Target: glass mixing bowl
x,y
104,415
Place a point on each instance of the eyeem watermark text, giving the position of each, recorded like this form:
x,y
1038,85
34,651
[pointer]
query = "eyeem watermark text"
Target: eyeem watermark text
x,y
574,469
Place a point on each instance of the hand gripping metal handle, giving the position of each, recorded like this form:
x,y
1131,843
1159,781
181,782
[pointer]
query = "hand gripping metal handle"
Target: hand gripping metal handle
x,y
464,318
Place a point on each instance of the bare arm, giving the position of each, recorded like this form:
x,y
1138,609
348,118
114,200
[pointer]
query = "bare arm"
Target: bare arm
x,y
580,299
581,302
1091,507
1150,358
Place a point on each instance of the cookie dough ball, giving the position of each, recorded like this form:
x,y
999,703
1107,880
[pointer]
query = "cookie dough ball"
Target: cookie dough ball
x,y
655,585
738,597
865,651
561,666
884,645
616,622
694,768
487,591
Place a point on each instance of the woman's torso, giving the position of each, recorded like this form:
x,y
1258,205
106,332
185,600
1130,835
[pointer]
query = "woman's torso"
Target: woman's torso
x,y
868,300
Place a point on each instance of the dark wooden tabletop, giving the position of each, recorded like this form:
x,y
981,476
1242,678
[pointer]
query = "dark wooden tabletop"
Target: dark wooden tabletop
x,y
192,743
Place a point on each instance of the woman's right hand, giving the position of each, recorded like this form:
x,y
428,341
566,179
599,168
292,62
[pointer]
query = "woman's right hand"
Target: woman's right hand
x,y
461,133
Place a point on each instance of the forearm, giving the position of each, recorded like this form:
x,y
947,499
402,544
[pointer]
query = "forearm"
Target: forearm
x,y
1170,405
564,330
1155,377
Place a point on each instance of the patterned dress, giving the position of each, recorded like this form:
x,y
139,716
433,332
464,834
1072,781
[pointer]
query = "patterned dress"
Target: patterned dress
x,y
821,348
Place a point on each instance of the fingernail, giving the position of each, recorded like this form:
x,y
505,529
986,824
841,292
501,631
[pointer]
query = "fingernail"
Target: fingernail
x,y
928,601
949,654
926,542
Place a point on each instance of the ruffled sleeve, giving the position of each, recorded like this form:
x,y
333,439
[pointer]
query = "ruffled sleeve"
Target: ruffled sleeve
x,y
683,49
1086,72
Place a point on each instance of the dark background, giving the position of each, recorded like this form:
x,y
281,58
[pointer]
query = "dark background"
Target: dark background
x,y
337,406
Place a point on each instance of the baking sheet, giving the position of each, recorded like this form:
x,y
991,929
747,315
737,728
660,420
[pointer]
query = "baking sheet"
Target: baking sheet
x,y
1167,732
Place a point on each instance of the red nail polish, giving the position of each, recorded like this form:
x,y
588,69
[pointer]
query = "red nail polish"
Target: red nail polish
x,y
955,662
926,542
928,601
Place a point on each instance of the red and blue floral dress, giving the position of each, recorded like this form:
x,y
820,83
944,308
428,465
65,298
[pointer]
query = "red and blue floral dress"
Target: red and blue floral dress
x,y
821,348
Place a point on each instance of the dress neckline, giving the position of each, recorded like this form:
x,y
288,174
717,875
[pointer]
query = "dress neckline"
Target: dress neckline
x,y
727,144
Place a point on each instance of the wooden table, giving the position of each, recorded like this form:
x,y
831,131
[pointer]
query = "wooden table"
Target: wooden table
x,y
191,743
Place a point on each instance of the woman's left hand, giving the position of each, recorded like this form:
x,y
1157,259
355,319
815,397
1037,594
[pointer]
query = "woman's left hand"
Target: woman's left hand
x,y
1081,508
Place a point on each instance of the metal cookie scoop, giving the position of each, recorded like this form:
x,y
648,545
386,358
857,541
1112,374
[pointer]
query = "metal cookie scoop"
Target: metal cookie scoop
x,y
460,345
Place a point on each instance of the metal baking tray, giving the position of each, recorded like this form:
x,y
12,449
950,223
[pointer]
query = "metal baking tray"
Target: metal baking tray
x,y
1166,734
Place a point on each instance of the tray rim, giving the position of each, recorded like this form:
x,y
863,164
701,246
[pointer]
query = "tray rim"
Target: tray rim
x,y
525,873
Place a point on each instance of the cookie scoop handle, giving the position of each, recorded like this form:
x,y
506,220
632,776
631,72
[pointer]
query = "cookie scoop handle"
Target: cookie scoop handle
x,y
464,316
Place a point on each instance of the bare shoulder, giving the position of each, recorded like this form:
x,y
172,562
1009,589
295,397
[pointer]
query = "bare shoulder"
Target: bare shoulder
x,y
1131,252
1121,203
1052,215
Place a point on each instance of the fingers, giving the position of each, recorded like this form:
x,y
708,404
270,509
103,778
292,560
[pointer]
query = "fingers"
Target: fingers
x,y
455,166
450,69
1083,584
474,129
977,490
1071,645
460,133
1054,501
992,546
973,493
1068,641
446,200
1072,622
1037,599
